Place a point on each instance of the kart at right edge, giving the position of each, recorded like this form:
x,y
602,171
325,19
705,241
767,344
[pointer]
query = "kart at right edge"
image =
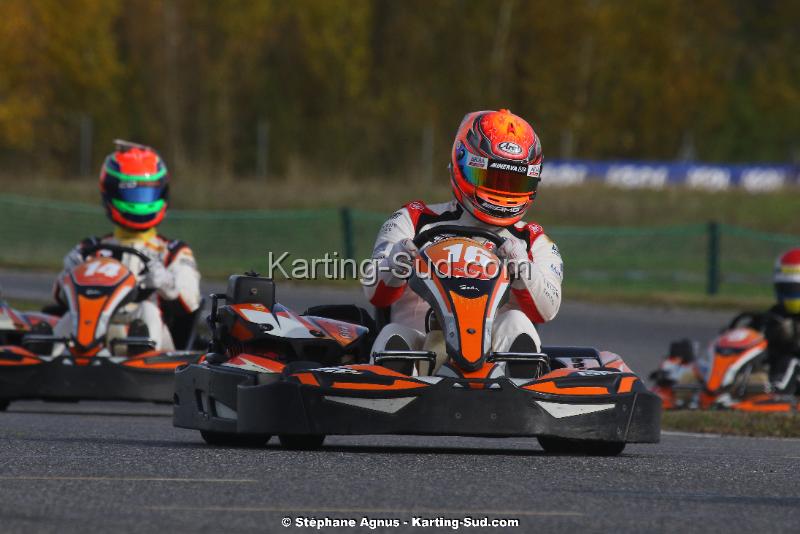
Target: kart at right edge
x,y
271,371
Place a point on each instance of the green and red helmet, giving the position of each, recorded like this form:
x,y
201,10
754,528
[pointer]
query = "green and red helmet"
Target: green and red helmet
x,y
134,184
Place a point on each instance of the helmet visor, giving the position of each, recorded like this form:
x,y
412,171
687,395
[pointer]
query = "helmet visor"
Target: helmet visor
x,y
499,175
139,193
788,290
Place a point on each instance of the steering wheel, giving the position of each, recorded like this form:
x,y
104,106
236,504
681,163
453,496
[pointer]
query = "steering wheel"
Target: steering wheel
x,y
117,251
461,231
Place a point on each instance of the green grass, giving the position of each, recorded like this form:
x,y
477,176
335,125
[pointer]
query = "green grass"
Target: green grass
x,y
663,299
586,205
25,304
635,246
730,423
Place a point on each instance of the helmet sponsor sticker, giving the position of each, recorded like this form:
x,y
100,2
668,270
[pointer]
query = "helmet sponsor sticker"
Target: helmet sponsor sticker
x,y
501,211
510,148
477,161
502,166
534,170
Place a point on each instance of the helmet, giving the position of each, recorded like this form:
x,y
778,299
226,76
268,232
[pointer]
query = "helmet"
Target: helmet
x,y
134,186
787,280
495,166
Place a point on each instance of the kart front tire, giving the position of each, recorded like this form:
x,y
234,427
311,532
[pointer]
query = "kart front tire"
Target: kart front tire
x,y
302,442
587,447
225,439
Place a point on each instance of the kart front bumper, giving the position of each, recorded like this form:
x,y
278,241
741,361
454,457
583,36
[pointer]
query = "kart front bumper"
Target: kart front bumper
x,y
61,380
219,399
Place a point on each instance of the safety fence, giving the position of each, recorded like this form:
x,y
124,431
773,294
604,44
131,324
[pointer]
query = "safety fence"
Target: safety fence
x,y
711,258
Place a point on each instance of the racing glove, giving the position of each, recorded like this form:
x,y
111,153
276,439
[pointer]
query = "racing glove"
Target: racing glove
x,y
73,259
401,258
159,278
515,252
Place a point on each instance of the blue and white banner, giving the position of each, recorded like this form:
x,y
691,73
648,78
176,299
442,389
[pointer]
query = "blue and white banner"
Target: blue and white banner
x,y
656,175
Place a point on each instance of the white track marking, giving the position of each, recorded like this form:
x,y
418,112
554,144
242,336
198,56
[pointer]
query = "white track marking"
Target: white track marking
x,y
134,479
289,509
690,434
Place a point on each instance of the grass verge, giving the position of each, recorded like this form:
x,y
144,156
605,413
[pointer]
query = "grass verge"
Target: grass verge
x,y
585,205
761,425
670,300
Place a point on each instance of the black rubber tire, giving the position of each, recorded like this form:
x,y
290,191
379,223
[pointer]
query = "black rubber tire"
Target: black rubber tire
x,y
224,439
302,442
587,447
4,404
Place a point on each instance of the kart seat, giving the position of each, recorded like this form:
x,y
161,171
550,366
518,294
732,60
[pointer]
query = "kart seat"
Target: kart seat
x,y
247,289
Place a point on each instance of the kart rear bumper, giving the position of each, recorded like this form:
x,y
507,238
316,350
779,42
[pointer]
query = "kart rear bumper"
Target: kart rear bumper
x,y
218,399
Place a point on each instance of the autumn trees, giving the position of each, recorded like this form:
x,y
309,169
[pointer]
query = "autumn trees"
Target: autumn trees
x,y
357,86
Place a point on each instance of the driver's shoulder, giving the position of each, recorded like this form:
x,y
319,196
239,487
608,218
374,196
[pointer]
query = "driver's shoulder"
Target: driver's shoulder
x,y
422,214
418,207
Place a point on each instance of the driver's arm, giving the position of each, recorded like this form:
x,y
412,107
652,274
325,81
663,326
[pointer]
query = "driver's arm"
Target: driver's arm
x,y
185,286
72,259
380,286
537,291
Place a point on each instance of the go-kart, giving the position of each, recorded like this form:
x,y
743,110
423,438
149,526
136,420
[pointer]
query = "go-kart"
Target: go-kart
x,y
262,380
99,359
731,374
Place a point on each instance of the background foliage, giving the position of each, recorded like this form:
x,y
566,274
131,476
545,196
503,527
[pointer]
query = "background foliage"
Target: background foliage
x,y
354,86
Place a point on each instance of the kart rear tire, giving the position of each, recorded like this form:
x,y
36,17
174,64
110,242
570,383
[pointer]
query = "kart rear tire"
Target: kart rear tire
x,y
4,404
224,439
588,447
302,442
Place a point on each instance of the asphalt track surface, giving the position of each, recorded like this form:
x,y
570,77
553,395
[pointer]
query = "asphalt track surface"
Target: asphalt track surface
x,y
101,467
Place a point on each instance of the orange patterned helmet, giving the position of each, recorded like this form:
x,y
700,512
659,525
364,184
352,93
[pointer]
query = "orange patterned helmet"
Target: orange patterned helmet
x,y
495,166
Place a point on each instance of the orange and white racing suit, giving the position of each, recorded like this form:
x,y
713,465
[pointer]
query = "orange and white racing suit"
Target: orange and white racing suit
x,y
179,281
534,298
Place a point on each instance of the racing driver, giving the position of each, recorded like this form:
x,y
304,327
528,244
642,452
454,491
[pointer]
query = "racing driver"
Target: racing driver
x,y
134,186
781,325
494,167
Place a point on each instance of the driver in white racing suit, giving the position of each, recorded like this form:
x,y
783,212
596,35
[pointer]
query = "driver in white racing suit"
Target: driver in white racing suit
x,y
494,173
134,187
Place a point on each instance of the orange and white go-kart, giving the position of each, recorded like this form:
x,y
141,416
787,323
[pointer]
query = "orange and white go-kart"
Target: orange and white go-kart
x,y
278,373
98,359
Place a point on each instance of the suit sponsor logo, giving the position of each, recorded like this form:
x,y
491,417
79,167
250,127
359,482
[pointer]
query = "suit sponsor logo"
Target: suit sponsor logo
x,y
535,228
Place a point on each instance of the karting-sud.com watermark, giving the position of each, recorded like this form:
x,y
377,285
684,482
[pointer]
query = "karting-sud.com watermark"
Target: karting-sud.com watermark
x,y
373,523
331,266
